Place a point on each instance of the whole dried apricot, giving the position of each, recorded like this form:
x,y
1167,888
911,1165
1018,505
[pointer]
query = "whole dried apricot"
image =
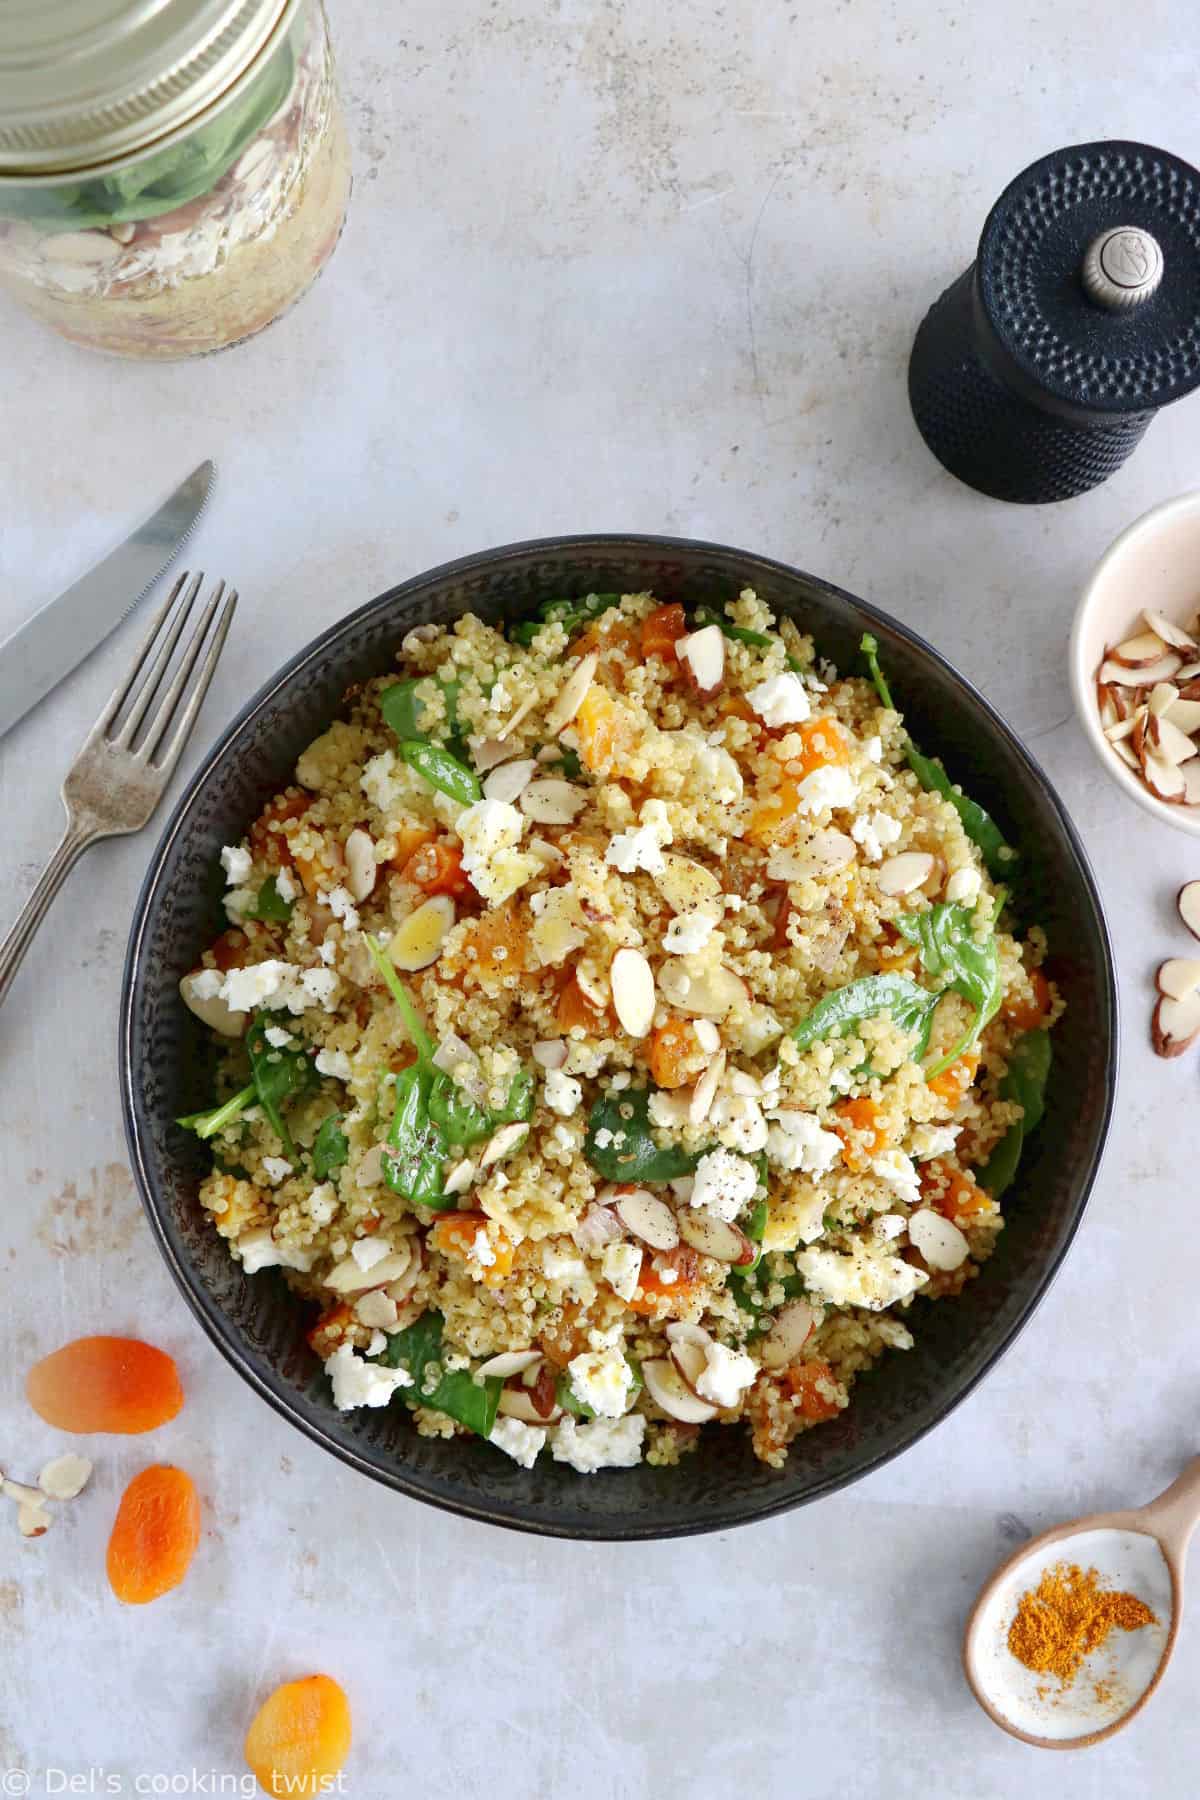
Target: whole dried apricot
x,y
154,1535
105,1384
300,1737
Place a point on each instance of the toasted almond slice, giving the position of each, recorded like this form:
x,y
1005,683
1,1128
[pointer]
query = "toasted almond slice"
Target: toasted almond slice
x,y
65,1476
361,867
1122,729
550,1053
212,1010
400,1289
707,1036
1161,696
460,1177
710,993
21,1493
517,1403
1188,902
670,1392
714,1237
1137,737
1165,669
1184,714
705,1090
347,1278
1188,672
1124,700
682,1331
570,697
508,1362
1127,756
702,654
1109,716
792,1329
1169,742
632,982
552,801
1176,1025
503,1143
690,1361
1178,977
1139,652
1163,778
905,873
509,780
1191,783
648,1217
488,753
33,1521
417,943
686,885
939,1241
1174,636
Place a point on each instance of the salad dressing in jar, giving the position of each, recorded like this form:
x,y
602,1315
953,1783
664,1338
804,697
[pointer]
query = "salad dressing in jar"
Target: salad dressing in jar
x,y
171,178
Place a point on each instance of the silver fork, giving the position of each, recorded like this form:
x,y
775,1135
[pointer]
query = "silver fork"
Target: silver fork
x,y
122,772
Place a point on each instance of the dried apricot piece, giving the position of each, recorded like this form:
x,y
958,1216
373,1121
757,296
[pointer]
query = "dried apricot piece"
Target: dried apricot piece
x,y
675,1053
154,1535
105,1384
861,1133
300,1737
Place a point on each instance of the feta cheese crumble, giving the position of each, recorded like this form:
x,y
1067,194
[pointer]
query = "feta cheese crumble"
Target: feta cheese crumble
x,y
828,789
603,1381
726,1375
858,1280
563,1093
797,1140
900,1174
780,701
333,1062
237,864
357,1382
724,1183
963,886
520,1441
598,1443
367,1251
278,1038
875,833
490,832
258,1250
621,1265
688,935
276,1169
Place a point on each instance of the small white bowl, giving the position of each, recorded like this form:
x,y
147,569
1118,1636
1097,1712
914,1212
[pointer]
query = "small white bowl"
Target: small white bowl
x,y
1155,562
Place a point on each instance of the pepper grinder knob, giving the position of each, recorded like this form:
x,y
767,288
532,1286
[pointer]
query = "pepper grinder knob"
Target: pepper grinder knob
x,y
1036,374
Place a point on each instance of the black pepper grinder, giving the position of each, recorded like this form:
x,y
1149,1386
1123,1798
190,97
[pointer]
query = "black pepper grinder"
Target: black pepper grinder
x,y
1036,374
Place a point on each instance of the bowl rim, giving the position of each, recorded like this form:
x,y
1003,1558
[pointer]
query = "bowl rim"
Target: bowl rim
x,y
1083,672
518,1515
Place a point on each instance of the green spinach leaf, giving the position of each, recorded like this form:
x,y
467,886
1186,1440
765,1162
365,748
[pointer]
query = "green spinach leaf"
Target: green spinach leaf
x,y
738,634
619,1144
418,1149
944,936
331,1147
1025,1081
442,770
279,1075
452,1391
911,1006
403,712
979,825
207,1124
570,614
270,903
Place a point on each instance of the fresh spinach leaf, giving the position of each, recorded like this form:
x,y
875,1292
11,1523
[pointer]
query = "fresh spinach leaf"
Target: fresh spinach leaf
x,y
944,935
207,1124
279,1075
628,1152
414,1164
452,1391
1025,1081
567,764
979,825
442,770
738,634
911,1006
570,614
465,1123
331,1147
403,711
270,903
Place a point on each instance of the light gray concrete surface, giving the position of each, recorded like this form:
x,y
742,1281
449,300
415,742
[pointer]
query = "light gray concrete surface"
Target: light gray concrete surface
x,y
608,265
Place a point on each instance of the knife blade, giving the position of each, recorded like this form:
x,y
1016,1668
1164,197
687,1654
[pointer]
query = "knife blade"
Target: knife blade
x,y
40,653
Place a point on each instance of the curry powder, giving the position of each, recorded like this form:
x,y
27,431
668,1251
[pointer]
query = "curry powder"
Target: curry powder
x,y
1067,1616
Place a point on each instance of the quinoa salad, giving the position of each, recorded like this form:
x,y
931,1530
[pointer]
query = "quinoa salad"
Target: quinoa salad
x,y
621,1028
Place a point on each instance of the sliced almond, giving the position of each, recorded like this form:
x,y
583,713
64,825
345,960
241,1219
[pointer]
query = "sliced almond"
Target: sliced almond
x,y
686,886
502,1143
632,981
212,1011
715,1237
905,873
1188,902
377,1310
1176,1025
682,1331
489,753
1127,756
347,1278
793,1327
400,1289
509,781
1109,715
1163,778
361,867
1165,669
552,801
1178,977
1162,695
1169,742
691,1360
1188,672
418,941
570,697
21,1493
705,1090
508,1362
707,1036
33,1521
1183,714
1123,728
550,1053
702,654
939,1241
1140,652
648,1217
460,1177
667,1388
710,992
517,1403
1174,636
65,1476
592,989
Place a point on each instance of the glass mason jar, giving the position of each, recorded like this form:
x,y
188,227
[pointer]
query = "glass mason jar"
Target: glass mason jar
x,y
169,184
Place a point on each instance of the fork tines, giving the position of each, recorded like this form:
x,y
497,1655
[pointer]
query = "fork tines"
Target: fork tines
x,y
151,703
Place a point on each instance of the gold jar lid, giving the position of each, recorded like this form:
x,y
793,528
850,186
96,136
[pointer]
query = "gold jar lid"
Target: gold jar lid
x,y
85,83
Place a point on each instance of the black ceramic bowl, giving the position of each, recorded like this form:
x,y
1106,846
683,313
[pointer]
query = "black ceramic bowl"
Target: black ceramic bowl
x,y
259,1327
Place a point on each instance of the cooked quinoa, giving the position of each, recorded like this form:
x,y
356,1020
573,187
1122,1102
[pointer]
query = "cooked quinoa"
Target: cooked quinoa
x,y
617,1034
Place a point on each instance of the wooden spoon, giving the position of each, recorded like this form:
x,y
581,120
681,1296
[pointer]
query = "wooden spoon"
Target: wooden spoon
x,y
1142,1551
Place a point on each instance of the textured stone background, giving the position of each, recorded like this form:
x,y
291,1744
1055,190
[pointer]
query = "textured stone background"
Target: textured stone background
x,y
608,265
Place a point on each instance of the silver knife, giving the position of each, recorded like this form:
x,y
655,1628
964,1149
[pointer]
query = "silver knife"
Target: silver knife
x,y
63,632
